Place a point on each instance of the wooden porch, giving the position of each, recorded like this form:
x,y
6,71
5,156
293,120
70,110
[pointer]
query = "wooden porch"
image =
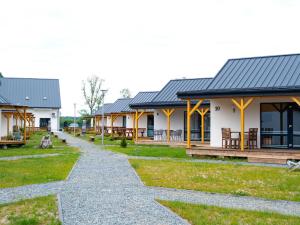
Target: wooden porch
x,y
277,156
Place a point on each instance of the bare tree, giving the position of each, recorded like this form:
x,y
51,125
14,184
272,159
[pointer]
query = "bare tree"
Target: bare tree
x,y
91,92
125,93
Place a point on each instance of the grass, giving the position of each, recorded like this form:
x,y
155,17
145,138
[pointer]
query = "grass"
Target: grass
x,y
107,140
264,182
150,151
32,147
212,215
140,150
36,170
38,211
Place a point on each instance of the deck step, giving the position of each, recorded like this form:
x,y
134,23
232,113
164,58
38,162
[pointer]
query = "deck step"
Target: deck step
x,y
266,160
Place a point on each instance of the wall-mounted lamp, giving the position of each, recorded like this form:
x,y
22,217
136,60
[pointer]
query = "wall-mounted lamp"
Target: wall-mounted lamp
x,y
233,108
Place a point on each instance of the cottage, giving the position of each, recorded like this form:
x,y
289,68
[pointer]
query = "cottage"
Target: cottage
x,y
12,117
254,104
41,96
170,112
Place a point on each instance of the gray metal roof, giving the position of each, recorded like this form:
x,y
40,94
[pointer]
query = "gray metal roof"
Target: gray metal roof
x,y
35,93
3,101
259,72
106,109
141,98
168,95
119,105
270,75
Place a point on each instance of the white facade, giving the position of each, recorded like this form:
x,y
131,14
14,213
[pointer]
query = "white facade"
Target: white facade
x,y
3,125
44,113
224,114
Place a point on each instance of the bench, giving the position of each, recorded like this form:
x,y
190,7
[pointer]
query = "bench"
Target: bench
x,y
92,138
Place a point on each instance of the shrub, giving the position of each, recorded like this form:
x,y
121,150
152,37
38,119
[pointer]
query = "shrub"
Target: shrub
x,y
123,143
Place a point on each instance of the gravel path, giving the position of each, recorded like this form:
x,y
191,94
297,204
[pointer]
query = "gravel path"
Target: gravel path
x,y
28,156
228,201
104,189
209,161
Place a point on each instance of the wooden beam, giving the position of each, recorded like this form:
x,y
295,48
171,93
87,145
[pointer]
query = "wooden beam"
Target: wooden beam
x,y
133,126
202,113
296,99
242,105
196,106
137,117
189,113
168,113
188,122
24,126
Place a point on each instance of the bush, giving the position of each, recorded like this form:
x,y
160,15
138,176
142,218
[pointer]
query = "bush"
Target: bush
x,y
123,143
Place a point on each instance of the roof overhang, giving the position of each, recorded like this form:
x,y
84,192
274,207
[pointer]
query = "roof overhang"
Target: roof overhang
x,y
226,93
162,105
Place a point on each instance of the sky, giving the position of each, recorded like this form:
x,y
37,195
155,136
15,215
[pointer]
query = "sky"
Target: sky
x,y
138,44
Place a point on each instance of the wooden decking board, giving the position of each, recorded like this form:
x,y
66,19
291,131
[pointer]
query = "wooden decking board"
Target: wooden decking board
x,y
258,155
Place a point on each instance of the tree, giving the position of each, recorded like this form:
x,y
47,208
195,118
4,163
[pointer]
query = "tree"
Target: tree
x,y
125,93
91,89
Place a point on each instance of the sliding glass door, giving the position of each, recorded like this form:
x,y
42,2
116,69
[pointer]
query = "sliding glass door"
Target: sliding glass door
x,y
196,127
280,125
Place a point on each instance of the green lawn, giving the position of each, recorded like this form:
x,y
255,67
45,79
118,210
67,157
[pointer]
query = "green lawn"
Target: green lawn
x,y
148,150
264,182
36,170
32,147
140,150
211,215
107,140
38,211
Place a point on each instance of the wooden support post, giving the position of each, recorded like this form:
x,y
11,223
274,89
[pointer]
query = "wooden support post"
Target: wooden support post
x,y
111,125
25,126
137,117
297,100
189,114
202,113
168,113
242,107
133,126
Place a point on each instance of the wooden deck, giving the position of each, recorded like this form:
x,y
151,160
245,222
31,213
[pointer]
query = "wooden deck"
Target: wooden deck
x,y
148,141
11,142
278,156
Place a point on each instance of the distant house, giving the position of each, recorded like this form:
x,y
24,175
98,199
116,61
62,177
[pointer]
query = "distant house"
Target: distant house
x,y
11,120
170,112
41,96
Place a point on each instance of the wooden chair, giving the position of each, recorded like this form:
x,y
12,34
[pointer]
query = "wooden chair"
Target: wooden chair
x,y
228,141
226,138
252,138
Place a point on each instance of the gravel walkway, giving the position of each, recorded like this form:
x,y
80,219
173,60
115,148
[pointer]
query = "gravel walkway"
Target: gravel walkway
x,y
104,189
228,201
28,156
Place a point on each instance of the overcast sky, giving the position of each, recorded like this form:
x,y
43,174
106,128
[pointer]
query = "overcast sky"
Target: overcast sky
x,y
138,44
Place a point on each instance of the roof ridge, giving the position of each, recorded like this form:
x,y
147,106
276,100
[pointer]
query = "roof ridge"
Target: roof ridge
x,y
266,56
199,78
31,78
147,92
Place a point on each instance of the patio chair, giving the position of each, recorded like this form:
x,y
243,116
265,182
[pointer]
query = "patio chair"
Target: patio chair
x,y
226,138
293,165
252,138
228,141
178,135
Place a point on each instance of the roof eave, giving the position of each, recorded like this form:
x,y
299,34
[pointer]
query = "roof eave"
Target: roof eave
x,y
239,93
